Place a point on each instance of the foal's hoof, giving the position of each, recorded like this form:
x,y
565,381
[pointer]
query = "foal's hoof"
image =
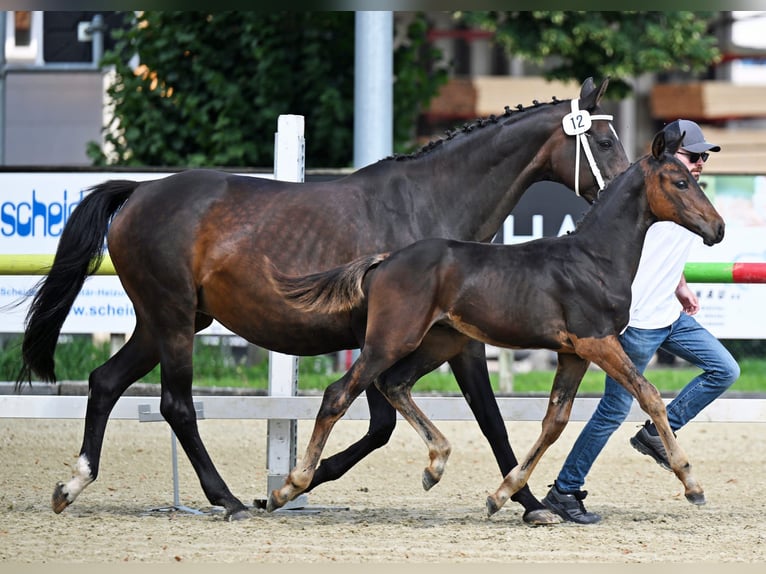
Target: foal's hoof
x,y
541,517
429,480
274,502
59,500
696,498
492,506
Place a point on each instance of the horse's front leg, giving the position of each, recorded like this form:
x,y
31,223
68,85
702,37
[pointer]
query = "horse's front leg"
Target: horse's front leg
x,y
569,373
336,400
609,355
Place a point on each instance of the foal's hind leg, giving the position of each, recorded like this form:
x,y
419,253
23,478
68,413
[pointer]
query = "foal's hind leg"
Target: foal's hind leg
x,y
336,399
439,449
432,352
381,426
105,386
569,373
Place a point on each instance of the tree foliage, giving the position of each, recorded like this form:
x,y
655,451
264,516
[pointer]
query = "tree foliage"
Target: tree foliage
x,y
210,86
622,45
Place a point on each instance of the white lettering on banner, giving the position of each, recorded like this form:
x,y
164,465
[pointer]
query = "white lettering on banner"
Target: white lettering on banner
x,y
510,237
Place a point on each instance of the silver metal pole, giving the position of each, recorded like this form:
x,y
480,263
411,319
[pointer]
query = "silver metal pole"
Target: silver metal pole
x,y
97,39
3,15
373,87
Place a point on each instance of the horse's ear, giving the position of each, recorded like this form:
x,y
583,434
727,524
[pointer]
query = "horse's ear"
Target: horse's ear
x,y
590,95
658,145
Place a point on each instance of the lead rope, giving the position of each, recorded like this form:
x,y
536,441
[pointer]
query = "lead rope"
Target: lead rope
x,y
577,123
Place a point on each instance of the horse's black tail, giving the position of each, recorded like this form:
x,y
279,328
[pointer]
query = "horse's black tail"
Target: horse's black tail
x,y
332,291
78,255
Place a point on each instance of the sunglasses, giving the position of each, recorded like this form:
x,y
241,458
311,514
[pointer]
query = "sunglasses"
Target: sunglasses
x,y
695,157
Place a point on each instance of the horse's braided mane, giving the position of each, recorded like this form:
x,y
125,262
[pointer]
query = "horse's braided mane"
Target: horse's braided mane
x,y
468,127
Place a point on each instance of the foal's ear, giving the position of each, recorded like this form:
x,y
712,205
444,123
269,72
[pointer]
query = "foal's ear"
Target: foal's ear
x,y
590,95
658,145
673,145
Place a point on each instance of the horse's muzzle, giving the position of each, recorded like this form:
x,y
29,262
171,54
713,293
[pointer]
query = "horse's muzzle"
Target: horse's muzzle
x,y
716,235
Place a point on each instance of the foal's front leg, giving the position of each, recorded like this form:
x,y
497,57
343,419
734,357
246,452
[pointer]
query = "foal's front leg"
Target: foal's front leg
x,y
610,356
569,373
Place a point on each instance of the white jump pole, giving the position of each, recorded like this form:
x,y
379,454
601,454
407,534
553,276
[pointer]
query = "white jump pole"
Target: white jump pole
x,y
289,165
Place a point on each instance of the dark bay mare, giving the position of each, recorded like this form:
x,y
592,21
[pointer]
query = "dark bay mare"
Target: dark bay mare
x,y
191,247
570,294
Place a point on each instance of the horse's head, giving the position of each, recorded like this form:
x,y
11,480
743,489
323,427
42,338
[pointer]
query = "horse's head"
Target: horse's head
x,y
586,153
674,194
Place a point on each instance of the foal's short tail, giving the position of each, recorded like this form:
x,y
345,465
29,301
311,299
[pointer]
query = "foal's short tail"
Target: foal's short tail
x,y
78,255
332,291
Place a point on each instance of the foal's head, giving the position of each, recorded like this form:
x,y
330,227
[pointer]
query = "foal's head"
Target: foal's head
x,y
674,194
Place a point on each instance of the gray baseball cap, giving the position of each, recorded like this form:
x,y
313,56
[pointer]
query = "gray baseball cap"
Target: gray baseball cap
x,y
694,140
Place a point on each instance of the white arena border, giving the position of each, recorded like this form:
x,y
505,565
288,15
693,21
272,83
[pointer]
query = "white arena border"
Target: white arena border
x,y
438,408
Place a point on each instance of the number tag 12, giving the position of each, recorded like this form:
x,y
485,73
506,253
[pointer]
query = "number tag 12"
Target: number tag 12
x,y
577,122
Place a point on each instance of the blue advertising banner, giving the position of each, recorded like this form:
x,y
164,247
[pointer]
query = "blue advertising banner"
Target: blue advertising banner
x,y
34,207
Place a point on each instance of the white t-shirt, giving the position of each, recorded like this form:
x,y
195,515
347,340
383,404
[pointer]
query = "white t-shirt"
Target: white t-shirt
x,y
654,303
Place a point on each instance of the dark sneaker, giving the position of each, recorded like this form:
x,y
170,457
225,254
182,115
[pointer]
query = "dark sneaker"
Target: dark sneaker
x,y
646,443
569,506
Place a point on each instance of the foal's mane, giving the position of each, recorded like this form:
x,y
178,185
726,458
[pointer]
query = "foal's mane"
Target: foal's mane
x,y
614,183
470,126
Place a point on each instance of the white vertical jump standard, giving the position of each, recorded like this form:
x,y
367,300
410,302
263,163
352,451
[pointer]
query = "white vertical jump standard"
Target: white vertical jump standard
x,y
281,448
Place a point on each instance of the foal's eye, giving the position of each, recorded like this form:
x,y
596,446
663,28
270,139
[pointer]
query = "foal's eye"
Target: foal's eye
x,y
682,184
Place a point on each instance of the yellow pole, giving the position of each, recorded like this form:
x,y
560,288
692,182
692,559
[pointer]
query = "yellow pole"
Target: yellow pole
x,y
40,264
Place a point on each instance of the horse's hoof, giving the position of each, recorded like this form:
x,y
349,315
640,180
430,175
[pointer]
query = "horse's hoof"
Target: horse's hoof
x,y
429,480
696,498
242,514
541,517
59,500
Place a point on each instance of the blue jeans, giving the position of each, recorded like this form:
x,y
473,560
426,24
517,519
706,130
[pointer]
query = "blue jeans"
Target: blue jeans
x,y
686,339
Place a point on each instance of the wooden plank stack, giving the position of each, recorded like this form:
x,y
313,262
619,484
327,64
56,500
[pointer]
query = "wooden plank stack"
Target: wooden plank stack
x,y
707,101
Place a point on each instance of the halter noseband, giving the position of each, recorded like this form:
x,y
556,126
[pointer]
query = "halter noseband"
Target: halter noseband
x,y
577,123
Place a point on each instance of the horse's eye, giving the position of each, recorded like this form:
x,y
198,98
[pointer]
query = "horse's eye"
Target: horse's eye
x,y
682,184
605,144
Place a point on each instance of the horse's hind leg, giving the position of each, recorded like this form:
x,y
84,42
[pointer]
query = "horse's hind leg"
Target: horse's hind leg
x,y
106,384
470,370
177,407
569,374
